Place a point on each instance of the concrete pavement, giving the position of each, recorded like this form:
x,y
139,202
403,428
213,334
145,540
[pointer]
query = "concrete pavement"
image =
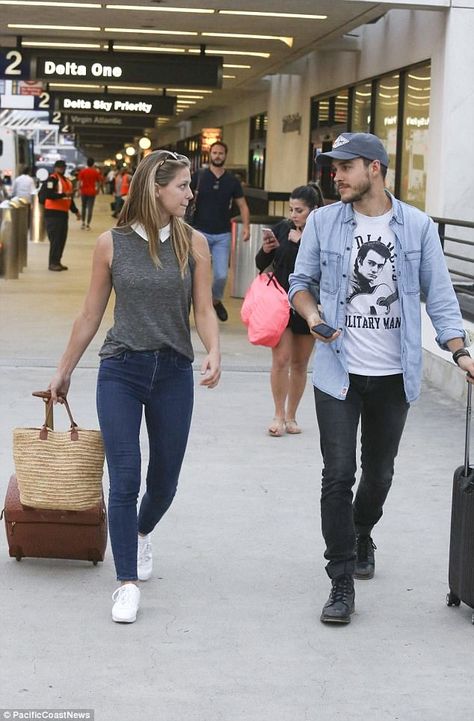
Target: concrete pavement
x,y
229,624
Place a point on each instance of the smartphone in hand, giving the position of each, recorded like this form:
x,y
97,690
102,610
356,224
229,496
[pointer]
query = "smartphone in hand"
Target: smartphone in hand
x,y
324,330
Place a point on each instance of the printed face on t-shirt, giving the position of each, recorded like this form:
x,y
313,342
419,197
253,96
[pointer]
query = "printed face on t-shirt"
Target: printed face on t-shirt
x,y
371,266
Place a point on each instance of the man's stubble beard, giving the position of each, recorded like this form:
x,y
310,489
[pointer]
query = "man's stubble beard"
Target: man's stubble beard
x,y
358,193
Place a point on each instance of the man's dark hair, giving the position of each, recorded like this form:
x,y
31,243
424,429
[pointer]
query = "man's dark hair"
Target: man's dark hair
x,y
221,143
26,170
60,164
90,162
377,246
383,168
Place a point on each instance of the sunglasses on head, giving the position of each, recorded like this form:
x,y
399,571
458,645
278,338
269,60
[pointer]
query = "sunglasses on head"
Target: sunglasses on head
x,y
171,156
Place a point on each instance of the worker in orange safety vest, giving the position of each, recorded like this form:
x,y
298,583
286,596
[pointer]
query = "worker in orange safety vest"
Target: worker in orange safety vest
x,y
59,201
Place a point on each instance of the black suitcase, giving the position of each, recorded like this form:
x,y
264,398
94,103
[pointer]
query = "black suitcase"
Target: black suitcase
x,y
461,550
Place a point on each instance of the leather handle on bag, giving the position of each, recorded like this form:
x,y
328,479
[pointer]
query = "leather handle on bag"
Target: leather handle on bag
x,y
46,396
48,412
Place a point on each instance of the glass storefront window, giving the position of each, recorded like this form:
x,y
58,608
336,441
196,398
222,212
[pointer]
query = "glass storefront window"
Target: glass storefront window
x,y
416,120
257,150
361,105
386,120
396,108
329,119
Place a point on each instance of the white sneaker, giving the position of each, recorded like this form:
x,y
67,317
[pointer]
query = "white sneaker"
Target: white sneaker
x,y
144,558
127,600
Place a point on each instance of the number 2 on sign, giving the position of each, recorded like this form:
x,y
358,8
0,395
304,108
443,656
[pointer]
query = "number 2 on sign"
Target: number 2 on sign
x,y
13,67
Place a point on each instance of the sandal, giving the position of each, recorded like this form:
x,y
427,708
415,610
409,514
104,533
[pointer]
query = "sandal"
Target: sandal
x,y
277,427
292,427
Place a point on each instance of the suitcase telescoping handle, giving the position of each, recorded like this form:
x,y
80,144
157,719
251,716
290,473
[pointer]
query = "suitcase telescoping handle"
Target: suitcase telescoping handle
x,y
468,430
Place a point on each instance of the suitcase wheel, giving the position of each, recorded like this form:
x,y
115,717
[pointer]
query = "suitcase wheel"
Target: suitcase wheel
x,y
453,600
18,557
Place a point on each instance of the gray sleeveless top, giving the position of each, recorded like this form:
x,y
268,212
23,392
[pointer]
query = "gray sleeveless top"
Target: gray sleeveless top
x,y
152,304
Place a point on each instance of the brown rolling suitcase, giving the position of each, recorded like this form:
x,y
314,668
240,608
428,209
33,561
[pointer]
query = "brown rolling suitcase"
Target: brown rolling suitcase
x,y
41,533
45,533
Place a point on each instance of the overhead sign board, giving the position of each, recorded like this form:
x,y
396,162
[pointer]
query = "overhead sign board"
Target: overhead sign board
x,y
25,102
92,121
199,71
114,104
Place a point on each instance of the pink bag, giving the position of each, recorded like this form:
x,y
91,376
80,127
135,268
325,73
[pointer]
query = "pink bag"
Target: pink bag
x,y
265,310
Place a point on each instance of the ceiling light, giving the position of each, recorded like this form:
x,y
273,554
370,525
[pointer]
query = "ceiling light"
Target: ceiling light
x,y
192,97
294,16
288,41
40,44
74,85
229,77
144,143
188,90
148,32
244,67
148,49
186,102
143,90
130,150
200,11
119,156
230,52
50,4
22,26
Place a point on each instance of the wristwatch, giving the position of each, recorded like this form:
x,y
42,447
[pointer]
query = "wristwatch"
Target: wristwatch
x,y
459,353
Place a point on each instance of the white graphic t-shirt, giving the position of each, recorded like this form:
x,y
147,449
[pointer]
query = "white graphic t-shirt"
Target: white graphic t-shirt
x,y
372,328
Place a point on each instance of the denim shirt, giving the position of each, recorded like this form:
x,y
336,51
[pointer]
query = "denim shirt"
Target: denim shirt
x,y
322,268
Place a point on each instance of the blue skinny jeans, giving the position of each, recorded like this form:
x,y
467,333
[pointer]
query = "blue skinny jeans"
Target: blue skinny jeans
x,y
161,382
219,245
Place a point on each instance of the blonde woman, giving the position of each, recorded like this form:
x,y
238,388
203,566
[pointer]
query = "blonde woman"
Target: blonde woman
x,y
157,266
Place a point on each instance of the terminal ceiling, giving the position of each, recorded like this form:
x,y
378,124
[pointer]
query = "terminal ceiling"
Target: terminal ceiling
x,y
185,26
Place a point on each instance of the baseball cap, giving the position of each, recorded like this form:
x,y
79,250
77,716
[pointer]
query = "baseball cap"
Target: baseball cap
x,y
355,145
60,164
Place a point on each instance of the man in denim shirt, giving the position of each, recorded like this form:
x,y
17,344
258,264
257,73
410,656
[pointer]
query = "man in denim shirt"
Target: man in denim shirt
x,y
368,363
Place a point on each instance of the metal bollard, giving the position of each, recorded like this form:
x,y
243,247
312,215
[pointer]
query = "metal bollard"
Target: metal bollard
x,y
8,244
20,228
37,231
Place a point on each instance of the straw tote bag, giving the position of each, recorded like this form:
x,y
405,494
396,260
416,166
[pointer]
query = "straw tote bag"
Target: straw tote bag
x,y
58,470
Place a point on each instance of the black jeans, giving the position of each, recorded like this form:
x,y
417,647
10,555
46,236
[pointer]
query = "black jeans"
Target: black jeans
x,y
87,208
379,402
56,223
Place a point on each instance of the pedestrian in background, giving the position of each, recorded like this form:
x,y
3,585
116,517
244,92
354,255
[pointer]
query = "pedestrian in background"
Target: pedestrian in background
x,y
121,186
24,186
89,183
291,356
59,201
158,266
368,361
215,189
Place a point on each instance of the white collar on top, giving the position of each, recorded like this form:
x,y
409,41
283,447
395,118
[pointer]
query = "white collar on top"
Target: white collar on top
x,y
165,232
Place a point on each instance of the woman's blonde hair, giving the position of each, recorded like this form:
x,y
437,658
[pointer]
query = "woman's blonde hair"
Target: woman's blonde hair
x,y
143,206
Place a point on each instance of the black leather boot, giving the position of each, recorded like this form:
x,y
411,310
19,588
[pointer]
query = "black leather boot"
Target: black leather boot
x,y
365,561
340,603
